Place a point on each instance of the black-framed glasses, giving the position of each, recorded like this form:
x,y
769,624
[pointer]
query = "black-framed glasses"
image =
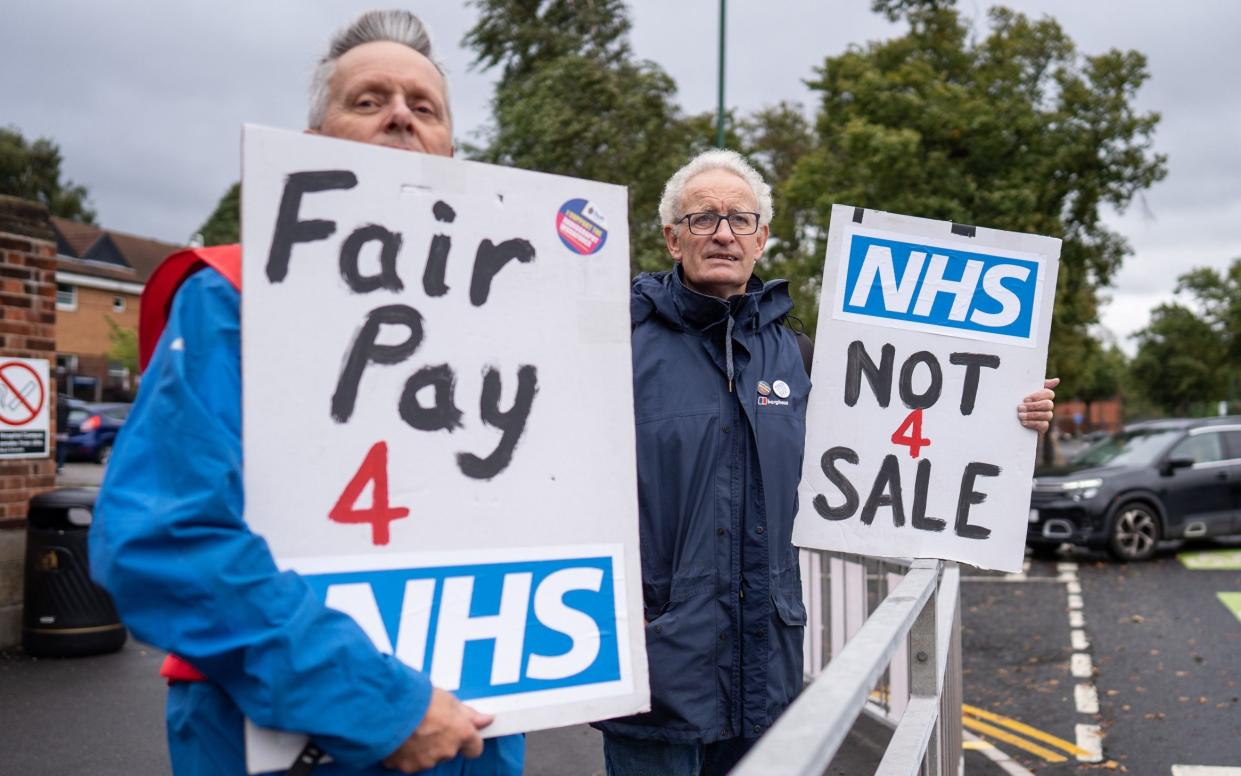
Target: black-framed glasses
x,y
708,223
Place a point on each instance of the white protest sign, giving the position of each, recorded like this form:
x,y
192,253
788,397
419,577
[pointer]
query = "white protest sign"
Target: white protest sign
x,y
25,398
438,418
929,336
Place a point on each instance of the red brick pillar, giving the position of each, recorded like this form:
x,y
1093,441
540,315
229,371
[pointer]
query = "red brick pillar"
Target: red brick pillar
x,y
27,330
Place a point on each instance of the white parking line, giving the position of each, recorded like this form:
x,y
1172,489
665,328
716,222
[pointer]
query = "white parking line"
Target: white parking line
x,y
1080,665
1077,638
1205,770
1087,699
1090,738
1077,619
1075,601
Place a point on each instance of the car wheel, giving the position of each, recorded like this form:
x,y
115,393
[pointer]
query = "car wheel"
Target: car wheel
x,y
1135,532
104,455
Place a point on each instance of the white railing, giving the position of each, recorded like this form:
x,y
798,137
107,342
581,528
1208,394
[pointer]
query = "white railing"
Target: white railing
x,y
896,657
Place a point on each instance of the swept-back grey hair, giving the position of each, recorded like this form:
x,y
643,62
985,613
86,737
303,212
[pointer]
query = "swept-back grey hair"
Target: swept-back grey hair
x,y
371,27
715,159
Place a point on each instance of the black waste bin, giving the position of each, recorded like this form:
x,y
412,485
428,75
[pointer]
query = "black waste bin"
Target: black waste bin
x,y
65,613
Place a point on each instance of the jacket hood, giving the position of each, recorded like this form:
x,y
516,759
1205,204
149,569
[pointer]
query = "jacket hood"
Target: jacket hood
x,y
665,295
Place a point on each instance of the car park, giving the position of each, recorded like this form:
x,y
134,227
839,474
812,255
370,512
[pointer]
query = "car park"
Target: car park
x,y
1156,480
93,429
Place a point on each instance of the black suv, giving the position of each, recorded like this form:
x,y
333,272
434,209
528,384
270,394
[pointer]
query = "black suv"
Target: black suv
x,y
1162,479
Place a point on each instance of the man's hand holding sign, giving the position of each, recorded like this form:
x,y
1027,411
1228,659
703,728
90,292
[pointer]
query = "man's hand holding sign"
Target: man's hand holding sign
x,y
926,331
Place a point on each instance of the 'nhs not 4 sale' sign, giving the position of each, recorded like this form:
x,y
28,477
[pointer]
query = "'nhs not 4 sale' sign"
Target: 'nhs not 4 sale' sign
x,y
941,287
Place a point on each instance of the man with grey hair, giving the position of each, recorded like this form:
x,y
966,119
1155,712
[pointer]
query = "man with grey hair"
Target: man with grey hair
x,y
169,540
720,389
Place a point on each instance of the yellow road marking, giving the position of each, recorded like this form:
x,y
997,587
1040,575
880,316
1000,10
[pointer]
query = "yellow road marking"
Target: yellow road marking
x,y
977,745
1020,727
1232,601
1211,560
1009,738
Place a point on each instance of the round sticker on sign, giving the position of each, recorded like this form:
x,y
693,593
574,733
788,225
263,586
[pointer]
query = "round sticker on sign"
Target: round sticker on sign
x,y
582,228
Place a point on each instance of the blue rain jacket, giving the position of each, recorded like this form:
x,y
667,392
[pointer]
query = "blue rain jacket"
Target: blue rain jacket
x,y
188,576
720,400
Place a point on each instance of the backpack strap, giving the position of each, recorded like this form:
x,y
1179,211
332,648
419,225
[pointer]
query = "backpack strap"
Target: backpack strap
x,y
806,345
162,286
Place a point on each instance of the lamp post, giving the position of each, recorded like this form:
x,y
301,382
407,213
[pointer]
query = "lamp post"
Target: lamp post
x,y
719,113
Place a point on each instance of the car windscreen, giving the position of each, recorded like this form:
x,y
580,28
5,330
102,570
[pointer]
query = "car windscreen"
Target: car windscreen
x,y
1134,448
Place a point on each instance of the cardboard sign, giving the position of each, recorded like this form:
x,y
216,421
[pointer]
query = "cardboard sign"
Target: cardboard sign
x,y
438,419
25,401
929,336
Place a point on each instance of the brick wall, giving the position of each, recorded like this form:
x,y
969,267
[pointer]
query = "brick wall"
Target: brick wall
x,y
27,330
85,330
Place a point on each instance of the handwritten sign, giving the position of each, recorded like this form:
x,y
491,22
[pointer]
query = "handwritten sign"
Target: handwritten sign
x,y
929,336
439,418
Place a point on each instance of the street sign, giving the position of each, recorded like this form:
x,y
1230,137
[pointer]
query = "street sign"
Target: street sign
x,y
929,336
438,412
24,408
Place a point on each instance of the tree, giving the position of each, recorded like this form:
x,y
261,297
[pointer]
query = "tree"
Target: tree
x,y
571,100
1218,295
521,35
223,226
124,347
774,139
1181,364
586,118
32,171
1014,131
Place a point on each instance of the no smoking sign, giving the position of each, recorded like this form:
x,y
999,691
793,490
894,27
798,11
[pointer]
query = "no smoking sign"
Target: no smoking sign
x,y
24,415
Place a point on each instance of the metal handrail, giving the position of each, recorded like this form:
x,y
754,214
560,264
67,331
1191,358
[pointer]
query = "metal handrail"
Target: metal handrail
x,y
924,609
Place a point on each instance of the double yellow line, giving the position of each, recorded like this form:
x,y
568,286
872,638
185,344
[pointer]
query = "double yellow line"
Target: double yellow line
x,y
978,720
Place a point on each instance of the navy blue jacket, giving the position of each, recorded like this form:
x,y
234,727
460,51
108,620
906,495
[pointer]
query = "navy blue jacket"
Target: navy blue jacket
x,y
720,402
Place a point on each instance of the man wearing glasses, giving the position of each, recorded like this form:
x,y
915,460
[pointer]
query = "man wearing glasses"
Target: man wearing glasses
x,y
720,388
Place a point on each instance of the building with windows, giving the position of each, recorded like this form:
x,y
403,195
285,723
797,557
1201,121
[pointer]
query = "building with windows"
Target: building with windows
x,y
100,274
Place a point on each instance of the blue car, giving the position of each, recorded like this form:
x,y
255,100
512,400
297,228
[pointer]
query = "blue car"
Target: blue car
x,y
92,429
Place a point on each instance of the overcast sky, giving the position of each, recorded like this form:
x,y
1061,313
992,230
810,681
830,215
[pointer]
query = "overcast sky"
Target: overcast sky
x,y
146,99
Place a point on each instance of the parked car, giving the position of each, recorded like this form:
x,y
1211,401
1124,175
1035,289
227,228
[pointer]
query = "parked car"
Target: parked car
x,y
1165,479
93,428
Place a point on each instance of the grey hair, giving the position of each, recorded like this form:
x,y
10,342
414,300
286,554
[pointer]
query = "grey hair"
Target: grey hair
x,y
715,159
393,26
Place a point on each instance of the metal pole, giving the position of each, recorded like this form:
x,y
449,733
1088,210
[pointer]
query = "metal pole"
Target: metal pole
x,y
719,113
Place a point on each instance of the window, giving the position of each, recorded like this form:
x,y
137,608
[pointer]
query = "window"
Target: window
x,y
66,362
1200,448
66,296
118,304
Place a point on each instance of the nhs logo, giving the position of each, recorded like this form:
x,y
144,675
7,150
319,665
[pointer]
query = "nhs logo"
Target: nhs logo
x,y
488,629
948,289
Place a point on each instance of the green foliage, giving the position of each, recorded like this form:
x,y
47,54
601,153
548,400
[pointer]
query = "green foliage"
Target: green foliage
x,y
1014,131
1219,296
774,139
522,35
32,171
572,101
124,347
1181,361
223,226
1104,375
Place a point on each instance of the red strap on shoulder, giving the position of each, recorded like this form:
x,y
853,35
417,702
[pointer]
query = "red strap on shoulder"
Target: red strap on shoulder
x,y
175,669
162,286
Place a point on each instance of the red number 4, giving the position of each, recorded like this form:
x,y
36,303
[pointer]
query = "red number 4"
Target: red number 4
x,y
374,469
909,433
